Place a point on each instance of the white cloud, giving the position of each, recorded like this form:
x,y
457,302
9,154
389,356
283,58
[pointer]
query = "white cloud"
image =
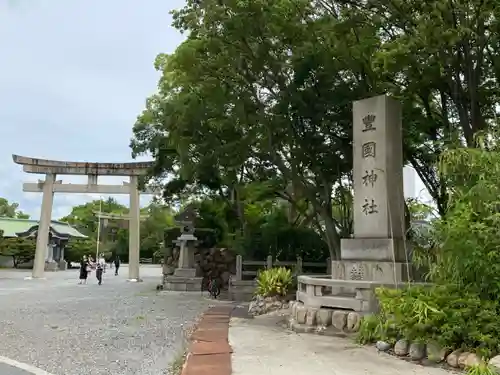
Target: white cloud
x,y
74,75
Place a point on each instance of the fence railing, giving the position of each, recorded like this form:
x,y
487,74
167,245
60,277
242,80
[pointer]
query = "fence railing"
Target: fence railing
x,y
298,266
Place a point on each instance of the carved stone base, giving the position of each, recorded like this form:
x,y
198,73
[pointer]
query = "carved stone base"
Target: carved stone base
x,y
375,249
182,284
51,266
63,265
383,272
185,272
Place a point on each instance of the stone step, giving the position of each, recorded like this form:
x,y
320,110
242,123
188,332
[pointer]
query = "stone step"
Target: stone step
x,y
345,302
333,301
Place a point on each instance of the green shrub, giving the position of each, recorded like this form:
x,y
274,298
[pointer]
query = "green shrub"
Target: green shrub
x,y
376,327
450,316
462,307
481,369
274,282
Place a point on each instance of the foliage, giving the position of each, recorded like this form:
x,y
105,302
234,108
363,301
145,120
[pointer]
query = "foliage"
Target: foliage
x,y
11,210
462,308
77,248
22,250
274,282
256,94
114,231
260,92
468,236
419,211
448,315
84,216
376,327
481,369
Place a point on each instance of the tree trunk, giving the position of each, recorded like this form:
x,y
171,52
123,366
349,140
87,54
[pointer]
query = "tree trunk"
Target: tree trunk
x,y
331,235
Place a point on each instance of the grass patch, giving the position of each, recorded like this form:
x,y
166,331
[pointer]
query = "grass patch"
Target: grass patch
x,y
482,369
175,367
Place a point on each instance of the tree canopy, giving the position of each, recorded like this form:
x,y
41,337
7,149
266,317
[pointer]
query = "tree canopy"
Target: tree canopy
x,y
261,92
11,210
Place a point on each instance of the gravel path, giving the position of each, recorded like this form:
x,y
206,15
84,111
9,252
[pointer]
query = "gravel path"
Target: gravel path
x,y
117,328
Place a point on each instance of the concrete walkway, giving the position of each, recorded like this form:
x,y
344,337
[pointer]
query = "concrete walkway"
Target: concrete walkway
x,y
263,346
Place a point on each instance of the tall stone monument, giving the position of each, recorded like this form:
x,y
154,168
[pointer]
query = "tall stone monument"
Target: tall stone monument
x,y
377,251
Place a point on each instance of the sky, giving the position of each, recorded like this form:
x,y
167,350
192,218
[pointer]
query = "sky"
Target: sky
x,y
74,75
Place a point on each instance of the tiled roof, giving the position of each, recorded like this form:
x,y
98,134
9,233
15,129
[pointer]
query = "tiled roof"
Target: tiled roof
x,y
11,227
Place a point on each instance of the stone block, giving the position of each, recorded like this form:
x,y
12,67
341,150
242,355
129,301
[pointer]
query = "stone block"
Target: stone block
x,y
401,348
339,319
324,317
378,168
383,346
293,308
452,358
51,266
300,316
495,362
311,316
183,284
353,322
467,359
373,249
185,272
382,272
416,351
435,353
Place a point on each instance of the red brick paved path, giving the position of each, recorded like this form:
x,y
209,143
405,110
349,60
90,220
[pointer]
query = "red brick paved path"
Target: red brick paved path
x,y
209,352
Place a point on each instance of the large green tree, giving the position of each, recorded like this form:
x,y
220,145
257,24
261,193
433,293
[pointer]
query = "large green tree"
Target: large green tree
x,y
259,91
262,91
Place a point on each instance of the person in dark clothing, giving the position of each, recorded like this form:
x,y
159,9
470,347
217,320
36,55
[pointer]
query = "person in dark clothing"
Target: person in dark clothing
x,y
117,265
84,265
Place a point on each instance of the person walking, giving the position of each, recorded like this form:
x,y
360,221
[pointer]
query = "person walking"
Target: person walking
x,y
84,270
99,270
117,264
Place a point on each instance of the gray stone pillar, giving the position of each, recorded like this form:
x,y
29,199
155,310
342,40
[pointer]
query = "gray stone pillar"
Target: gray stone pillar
x,y
134,229
184,255
63,265
378,168
377,251
50,253
44,226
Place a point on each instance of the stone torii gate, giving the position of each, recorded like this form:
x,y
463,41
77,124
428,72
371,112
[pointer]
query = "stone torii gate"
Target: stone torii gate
x,y
49,186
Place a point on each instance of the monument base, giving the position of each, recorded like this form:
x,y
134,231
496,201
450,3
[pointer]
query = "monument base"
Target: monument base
x,y
63,265
182,284
185,272
183,280
382,272
374,249
51,266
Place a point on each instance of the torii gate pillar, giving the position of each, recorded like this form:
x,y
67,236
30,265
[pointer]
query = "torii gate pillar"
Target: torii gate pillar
x,y
42,237
134,231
